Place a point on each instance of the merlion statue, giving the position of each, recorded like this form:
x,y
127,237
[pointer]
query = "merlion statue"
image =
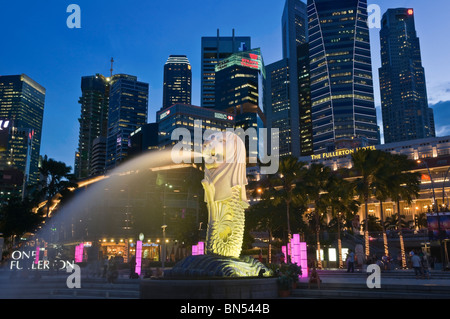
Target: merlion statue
x,y
225,194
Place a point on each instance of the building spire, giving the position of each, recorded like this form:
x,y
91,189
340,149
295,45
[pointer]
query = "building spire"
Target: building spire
x,y
112,63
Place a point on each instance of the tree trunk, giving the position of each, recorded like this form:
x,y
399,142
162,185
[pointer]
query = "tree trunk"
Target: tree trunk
x,y
385,240
319,260
341,262
366,231
288,244
400,236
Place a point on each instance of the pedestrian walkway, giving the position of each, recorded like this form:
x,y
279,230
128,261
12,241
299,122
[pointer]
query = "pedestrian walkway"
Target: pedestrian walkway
x,y
398,284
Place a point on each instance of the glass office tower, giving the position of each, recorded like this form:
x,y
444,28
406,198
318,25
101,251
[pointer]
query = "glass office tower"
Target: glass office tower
x,y
404,101
215,49
128,109
284,99
22,103
239,88
341,73
93,120
177,81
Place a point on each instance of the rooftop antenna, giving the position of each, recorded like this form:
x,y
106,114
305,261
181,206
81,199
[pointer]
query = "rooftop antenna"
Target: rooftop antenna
x,y
112,62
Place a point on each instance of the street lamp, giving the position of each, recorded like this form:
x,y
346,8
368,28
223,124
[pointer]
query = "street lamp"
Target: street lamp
x,y
163,253
436,209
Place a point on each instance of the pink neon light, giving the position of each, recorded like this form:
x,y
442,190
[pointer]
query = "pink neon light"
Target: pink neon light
x,y
298,253
201,248
253,56
36,261
198,249
138,257
79,253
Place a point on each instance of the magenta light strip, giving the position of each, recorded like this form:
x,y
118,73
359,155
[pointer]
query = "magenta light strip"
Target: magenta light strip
x,y
79,253
201,248
138,257
36,261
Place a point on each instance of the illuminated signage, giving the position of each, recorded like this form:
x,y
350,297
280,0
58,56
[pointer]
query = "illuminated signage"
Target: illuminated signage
x,y
340,153
223,116
165,114
4,124
251,59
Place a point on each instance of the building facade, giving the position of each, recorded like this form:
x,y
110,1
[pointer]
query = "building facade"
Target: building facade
x,y
128,109
341,73
93,121
22,105
177,87
213,50
193,118
404,102
287,83
240,91
433,163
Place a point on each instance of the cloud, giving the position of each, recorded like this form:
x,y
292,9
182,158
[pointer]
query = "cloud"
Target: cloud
x,y
441,117
438,92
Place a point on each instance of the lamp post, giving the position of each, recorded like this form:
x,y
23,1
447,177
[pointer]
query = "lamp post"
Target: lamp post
x,y
163,253
436,209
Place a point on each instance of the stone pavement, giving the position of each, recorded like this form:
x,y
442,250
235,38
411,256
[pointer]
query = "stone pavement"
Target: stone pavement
x,y
395,284
336,284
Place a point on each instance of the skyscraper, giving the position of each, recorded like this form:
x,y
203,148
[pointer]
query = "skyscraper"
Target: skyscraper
x,y
93,119
239,88
278,104
215,49
22,105
404,102
282,82
128,108
341,74
177,81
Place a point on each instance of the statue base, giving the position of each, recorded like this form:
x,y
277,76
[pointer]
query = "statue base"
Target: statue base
x,y
202,266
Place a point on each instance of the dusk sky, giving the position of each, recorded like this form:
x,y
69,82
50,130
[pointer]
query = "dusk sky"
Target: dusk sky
x,y
140,35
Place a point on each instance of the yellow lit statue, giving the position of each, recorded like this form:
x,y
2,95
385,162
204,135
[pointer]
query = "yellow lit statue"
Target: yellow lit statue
x,y
225,194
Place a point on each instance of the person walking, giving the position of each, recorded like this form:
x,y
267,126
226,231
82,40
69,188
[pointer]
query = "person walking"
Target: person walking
x,y
416,265
351,261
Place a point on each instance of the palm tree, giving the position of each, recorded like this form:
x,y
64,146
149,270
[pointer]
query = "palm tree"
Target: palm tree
x,y
381,192
316,183
283,188
340,198
403,185
367,163
56,178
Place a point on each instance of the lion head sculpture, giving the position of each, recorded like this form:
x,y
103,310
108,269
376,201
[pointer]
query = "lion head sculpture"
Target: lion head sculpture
x,y
225,164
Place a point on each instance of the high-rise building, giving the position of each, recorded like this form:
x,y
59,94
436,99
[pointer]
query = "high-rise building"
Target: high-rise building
x,y
93,120
284,99
15,159
215,49
240,92
304,100
278,104
177,81
192,118
341,73
22,105
128,109
404,102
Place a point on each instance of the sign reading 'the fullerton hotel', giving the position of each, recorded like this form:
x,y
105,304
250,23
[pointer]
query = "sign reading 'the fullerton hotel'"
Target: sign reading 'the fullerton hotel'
x,y
342,152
